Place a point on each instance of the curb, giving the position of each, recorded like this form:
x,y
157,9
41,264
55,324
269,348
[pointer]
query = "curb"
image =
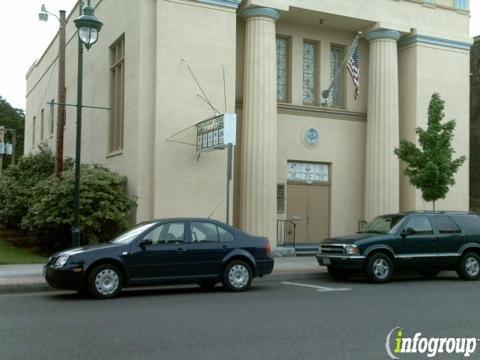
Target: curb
x,y
284,276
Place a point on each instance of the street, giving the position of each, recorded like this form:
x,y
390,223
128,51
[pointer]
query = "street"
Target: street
x,y
310,319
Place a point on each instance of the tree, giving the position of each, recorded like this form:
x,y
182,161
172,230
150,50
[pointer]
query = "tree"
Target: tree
x,y
431,168
12,118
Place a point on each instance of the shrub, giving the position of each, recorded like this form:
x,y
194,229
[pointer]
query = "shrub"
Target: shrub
x,y
17,183
104,207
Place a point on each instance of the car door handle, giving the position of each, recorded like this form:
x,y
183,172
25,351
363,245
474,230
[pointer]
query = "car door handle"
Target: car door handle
x,y
180,251
224,247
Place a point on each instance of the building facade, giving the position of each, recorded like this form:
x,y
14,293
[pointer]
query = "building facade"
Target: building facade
x,y
321,163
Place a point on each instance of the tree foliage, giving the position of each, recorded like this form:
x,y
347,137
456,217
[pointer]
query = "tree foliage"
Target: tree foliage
x,y
12,118
39,203
431,167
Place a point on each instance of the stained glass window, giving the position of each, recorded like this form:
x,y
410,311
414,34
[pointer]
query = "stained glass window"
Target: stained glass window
x,y
282,69
336,58
309,73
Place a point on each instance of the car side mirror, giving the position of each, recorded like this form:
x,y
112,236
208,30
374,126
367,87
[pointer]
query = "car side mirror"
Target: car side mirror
x,y
145,242
407,232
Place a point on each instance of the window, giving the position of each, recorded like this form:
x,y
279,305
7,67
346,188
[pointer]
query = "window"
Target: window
x,y
204,232
170,233
33,131
309,72
282,69
420,224
281,198
42,123
224,235
336,59
117,90
446,225
52,117
461,4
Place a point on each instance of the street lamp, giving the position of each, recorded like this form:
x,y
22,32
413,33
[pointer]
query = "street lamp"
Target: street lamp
x,y
88,28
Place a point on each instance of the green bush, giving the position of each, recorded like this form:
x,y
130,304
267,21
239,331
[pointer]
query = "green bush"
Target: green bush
x,y
35,201
17,183
104,207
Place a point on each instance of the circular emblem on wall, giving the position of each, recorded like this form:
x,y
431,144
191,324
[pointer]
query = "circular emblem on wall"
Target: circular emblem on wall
x,y
311,136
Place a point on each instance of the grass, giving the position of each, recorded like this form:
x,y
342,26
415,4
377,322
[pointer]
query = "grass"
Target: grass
x,y
10,255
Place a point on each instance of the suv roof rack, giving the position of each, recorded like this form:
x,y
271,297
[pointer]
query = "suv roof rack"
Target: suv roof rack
x,y
441,212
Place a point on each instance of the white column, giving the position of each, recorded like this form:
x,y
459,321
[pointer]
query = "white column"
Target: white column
x,y
258,198
382,173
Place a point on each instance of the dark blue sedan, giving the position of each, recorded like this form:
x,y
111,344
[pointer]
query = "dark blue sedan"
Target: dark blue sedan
x,y
170,251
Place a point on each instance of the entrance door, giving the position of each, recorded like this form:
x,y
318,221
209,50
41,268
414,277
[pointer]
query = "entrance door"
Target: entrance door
x,y
308,206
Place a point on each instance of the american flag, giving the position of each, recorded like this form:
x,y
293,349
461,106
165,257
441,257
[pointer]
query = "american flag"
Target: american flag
x,y
354,69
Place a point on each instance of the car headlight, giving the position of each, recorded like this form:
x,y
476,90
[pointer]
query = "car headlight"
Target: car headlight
x,y
352,250
61,261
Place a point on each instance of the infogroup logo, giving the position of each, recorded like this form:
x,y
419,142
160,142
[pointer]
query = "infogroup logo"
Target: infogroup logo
x,y
397,344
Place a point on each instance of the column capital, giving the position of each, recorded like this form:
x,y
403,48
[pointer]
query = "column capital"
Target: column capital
x,y
260,11
382,34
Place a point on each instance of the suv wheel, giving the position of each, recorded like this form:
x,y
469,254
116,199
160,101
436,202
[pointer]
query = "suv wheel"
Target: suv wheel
x,y
339,274
105,281
469,267
379,268
237,276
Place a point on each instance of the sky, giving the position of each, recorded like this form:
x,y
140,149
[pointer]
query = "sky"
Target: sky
x,y
25,38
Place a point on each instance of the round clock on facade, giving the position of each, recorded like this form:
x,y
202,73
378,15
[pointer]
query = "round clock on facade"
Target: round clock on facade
x,y
311,136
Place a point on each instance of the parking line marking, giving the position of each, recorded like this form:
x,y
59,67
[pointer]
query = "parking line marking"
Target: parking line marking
x,y
318,288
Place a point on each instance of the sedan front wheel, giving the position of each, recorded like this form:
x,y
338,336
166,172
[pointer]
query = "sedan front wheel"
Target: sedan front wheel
x,y
105,281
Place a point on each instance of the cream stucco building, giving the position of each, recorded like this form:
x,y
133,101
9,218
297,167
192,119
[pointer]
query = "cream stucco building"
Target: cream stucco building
x,y
324,164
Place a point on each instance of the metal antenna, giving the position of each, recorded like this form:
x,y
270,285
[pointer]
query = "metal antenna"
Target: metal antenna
x,y
220,203
215,111
205,97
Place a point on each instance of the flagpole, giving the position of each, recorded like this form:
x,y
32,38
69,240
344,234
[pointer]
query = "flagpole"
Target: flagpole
x,y
326,93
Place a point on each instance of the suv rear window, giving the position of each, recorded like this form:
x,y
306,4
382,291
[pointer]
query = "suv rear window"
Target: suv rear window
x,y
471,223
446,225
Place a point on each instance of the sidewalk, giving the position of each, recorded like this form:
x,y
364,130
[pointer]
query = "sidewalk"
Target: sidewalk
x,y
29,278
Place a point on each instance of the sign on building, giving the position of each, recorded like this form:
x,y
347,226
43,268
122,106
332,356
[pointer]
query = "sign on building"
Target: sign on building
x,y
308,172
216,132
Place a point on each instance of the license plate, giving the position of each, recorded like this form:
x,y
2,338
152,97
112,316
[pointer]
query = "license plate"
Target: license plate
x,y
326,261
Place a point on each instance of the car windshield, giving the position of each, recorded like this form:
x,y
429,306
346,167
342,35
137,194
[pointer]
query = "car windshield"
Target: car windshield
x,y
383,224
131,234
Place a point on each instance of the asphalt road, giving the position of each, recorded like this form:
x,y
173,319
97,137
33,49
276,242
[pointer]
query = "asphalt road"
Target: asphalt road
x,y
275,320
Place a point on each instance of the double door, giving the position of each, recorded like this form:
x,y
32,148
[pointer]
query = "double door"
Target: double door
x,y
308,206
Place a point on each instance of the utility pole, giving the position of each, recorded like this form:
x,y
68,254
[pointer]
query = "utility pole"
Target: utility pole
x,y
61,94
2,143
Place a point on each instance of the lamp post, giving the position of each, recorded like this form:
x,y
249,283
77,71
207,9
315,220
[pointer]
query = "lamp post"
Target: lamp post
x,y
43,16
88,29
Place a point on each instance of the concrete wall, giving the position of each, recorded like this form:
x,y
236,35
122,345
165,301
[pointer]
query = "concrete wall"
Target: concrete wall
x,y
425,69
205,38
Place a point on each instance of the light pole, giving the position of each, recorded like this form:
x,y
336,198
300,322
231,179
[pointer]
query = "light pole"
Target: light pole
x,y
88,28
43,16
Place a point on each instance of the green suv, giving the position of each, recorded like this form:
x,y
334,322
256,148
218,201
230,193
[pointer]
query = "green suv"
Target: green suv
x,y
425,241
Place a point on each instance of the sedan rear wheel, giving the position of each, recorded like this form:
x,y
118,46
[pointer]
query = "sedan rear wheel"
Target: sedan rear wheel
x,y
237,276
105,281
379,268
469,267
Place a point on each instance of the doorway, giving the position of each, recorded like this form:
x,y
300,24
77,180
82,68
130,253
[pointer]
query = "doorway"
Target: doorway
x,y
308,206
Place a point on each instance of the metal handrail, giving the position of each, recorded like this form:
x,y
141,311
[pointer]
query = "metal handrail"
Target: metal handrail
x,y
286,232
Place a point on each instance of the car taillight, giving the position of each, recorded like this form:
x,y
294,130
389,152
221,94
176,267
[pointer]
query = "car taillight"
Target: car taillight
x,y
268,248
